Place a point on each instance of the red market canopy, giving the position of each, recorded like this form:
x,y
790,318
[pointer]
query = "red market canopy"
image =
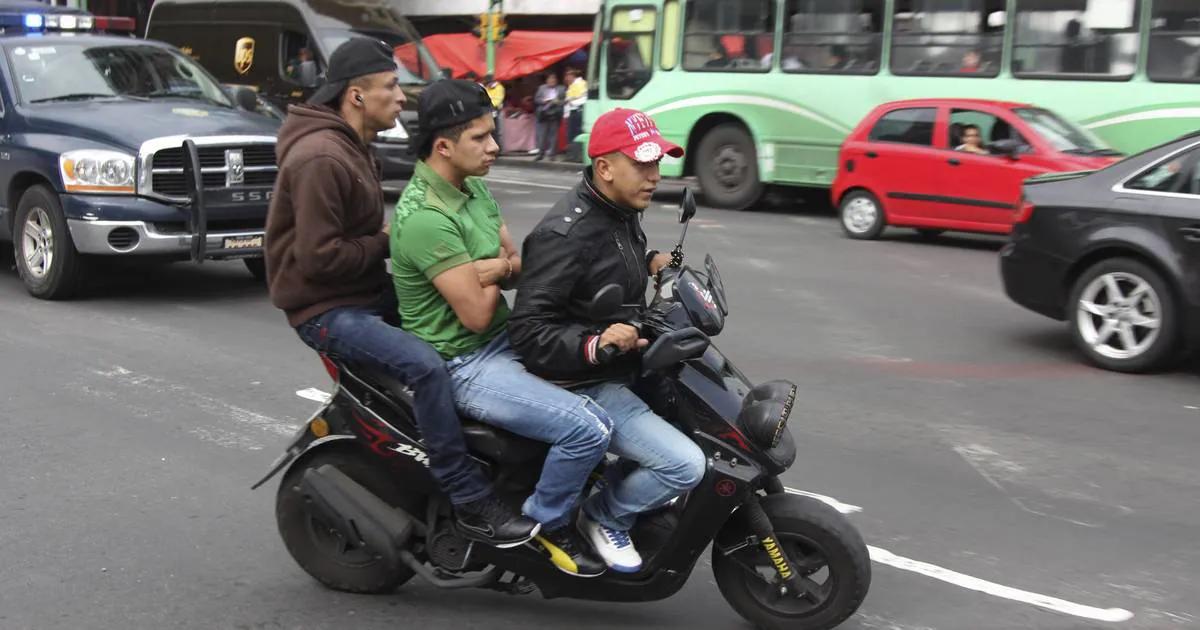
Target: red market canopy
x,y
520,54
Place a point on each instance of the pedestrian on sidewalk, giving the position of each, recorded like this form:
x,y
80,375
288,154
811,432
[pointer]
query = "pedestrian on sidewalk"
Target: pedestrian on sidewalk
x,y
495,90
550,100
577,91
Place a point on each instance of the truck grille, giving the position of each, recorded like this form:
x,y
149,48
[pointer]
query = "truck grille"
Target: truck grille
x,y
166,168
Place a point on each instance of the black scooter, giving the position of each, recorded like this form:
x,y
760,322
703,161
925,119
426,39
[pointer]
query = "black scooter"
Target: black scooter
x,y
359,511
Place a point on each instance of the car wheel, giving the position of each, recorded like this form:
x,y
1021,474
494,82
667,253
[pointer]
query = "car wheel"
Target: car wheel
x,y
1124,317
862,215
727,167
43,250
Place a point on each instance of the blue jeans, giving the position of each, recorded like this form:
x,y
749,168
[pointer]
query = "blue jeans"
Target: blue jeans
x,y
669,463
491,385
360,335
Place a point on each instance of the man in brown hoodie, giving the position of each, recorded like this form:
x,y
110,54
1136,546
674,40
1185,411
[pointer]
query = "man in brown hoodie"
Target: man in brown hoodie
x,y
325,255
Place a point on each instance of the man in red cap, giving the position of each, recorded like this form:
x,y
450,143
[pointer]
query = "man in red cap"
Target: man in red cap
x,y
593,238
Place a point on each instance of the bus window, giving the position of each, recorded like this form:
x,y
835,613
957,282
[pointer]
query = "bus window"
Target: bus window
x,y
668,58
729,35
1076,37
832,36
630,51
962,38
1175,41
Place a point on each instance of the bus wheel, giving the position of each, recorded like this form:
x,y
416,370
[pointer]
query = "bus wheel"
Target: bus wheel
x,y
727,167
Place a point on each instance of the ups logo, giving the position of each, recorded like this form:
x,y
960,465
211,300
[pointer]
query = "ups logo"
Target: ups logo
x,y
243,55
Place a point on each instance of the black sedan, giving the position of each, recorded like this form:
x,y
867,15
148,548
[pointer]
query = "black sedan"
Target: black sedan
x,y
1116,253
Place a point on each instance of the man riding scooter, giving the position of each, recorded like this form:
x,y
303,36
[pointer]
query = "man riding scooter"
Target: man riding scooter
x,y
593,238
451,252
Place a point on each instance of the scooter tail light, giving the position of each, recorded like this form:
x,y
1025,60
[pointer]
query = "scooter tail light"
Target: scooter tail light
x,y
1025,211
331,368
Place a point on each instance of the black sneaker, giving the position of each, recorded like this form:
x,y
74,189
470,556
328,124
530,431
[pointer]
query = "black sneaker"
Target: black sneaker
x,y
491,521
571,553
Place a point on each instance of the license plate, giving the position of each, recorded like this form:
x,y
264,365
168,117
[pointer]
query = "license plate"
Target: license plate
x,y
243,242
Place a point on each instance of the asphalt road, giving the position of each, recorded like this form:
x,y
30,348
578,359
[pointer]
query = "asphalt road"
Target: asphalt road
x,y
1001,483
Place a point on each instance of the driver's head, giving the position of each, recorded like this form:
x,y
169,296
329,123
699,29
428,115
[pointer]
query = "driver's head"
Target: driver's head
x,y
362,82
626,148
456,127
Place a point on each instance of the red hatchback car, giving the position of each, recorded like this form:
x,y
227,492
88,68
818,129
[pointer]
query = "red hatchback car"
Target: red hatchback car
x,y
953,164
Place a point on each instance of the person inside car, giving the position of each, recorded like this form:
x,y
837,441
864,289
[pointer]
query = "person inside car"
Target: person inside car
x,y
593,238
972,140
451,255
325,253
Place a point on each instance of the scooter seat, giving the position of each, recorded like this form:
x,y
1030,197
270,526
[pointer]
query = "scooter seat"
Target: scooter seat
x,y
500,446
492,443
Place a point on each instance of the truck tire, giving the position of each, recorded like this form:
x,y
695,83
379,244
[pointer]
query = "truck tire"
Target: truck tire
x,y
42,247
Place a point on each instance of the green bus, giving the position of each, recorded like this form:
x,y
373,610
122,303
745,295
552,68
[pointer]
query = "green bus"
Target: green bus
x,y
763,92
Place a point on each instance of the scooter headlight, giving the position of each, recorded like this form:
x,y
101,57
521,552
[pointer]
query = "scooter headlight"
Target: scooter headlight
x,y
765,413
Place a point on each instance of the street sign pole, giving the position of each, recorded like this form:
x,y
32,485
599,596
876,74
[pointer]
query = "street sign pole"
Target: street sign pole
x,y
495,10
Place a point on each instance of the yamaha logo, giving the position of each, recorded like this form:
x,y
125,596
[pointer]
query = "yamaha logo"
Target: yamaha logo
x,y
235,166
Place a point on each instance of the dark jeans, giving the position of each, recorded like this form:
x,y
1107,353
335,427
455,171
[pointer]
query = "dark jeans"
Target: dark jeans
x,y
574,125
359,334
498,134
547,136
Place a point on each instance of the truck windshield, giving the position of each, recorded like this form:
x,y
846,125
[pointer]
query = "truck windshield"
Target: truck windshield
x,y
65,71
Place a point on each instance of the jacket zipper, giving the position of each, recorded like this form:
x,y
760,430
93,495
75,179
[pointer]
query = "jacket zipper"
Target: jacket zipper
x,y
632,271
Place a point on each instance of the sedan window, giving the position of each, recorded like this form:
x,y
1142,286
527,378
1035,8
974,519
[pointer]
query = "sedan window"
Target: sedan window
x,y
907,126
1168,176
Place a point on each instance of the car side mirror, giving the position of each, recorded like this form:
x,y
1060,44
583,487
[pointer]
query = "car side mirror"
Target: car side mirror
x,y
1008,148
606,302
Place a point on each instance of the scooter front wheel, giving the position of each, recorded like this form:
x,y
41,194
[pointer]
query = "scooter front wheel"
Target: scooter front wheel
x,y
318,547
826,551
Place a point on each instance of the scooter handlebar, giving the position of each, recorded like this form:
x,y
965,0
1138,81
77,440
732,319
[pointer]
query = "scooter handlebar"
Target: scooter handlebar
x,y
607,354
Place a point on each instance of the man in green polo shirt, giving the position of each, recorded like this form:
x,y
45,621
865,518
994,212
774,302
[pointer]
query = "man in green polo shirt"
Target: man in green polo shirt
x,y
451,255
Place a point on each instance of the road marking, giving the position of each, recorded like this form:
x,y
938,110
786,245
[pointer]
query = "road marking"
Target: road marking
x,y
883,556
844,508
514,182
315,395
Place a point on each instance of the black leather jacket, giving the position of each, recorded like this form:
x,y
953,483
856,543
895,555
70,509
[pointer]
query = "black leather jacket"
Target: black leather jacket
x,y
583,244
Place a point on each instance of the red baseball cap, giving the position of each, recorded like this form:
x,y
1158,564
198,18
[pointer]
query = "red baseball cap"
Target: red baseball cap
x,y
631,132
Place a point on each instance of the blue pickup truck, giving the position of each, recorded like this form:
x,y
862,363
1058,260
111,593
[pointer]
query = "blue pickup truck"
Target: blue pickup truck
x,y
112,146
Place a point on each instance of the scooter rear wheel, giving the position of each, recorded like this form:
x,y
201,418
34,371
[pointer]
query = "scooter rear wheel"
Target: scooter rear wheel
x,y
318,548
828,554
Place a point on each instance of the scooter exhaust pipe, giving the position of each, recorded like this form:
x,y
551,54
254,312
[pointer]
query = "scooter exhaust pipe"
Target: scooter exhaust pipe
x,y
357,513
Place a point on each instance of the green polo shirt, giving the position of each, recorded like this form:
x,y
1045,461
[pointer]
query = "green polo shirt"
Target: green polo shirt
x,y
439,227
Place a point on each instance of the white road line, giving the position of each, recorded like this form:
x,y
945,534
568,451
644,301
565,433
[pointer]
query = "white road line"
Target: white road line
x,y
883,556
514,182
844,508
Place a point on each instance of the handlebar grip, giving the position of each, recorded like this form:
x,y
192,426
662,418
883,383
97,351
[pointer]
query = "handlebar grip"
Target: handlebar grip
x,y
607,354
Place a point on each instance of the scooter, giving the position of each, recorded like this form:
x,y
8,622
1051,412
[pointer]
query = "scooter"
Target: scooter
x,y
358,510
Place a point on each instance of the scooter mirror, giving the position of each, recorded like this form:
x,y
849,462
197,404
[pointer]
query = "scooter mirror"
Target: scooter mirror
x,y
687,208
606,302
245,98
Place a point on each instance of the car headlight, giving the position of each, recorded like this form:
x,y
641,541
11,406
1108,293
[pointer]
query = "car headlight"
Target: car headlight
x,y
96,171
396,133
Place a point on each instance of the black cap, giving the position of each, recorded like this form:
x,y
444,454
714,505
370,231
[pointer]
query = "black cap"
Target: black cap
x,y
448,103
357,57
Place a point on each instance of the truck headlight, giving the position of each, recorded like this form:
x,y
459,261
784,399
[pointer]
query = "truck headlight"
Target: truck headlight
x,y
96,171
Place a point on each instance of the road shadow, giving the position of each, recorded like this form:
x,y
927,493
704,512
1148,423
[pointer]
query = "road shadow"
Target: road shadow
x,y
148,281
947,240
776,200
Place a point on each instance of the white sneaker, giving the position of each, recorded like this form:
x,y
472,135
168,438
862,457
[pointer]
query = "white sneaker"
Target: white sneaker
x,y
613,545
